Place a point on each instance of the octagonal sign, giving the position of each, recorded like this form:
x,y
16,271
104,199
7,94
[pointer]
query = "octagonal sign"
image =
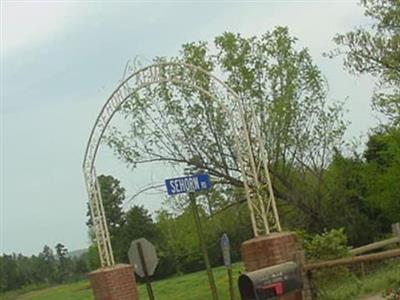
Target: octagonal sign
x,y
149,256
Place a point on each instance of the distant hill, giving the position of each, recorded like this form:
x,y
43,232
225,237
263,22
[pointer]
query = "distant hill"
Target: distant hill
x,y
77,253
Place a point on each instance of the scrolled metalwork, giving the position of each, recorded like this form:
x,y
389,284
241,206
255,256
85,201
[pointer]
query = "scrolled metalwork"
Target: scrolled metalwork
x,y
249,145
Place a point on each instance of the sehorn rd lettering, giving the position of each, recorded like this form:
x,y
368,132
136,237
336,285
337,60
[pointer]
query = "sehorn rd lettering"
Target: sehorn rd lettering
x,y
184,185
189,184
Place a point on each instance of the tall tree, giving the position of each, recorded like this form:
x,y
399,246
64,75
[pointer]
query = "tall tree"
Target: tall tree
x,y
382,174
113,195
376,51
139,224
344,202
182,125
8,274
93,257
61,252
46,264
64,264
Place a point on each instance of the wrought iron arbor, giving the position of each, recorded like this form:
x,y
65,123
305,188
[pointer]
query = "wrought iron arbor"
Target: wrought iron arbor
x,y
249,146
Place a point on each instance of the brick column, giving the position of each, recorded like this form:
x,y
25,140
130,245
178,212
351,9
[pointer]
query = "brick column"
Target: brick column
x,y
114,283
269,250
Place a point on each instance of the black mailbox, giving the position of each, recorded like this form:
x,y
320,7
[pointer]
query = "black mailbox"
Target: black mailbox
x,y
270,283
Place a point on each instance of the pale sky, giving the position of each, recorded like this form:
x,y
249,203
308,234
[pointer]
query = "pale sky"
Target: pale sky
x,y
60,60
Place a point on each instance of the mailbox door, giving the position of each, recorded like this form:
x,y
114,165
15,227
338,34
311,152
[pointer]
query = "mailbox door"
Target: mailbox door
x,y
246,288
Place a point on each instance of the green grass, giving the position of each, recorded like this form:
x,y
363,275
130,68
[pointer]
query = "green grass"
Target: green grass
x,y
195,287
75,291
190,287
352,287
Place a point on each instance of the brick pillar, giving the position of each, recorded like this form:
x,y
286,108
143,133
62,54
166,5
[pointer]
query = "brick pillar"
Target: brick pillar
x,y
114,283
270,250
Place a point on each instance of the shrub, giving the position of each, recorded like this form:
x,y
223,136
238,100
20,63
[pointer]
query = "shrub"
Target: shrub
x,y
327,245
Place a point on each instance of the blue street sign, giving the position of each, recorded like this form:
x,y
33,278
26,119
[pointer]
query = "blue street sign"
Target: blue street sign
x,y
189,184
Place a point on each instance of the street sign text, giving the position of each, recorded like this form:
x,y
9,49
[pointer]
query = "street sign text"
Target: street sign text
x,y
188,184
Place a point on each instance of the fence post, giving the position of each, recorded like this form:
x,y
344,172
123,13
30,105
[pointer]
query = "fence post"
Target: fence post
x,y
362,269
396,230
307,293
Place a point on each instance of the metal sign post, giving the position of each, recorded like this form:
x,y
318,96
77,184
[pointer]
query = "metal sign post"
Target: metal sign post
x,y
146,275
200,234
191,184
226,254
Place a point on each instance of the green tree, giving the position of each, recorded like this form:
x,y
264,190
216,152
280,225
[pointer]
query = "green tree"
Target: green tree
x,y
376,51
344,201
184,126
382,174
25,270
371,185
113,195
64,263
61,253
81,265
180,244
8,274
361,191
46,265
139,224
169,245
18,270
93,257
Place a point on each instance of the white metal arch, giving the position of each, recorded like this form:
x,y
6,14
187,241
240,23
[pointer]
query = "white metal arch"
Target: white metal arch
x,y
263,212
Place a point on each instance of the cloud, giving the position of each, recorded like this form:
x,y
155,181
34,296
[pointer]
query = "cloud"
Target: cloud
x,y
24,23
314,22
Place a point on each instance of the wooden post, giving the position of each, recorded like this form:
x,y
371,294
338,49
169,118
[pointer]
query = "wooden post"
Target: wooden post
x,y
362,269
396,230
199,229
307,293
230,280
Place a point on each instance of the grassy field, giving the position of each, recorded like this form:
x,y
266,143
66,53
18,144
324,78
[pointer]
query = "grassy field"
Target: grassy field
x,y
190,287
352,287
195,287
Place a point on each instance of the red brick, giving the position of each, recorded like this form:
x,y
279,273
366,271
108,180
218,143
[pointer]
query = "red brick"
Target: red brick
x,y
269,250
114,283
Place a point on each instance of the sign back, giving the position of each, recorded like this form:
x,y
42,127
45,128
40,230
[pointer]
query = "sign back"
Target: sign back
x,y
226,250
149,254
